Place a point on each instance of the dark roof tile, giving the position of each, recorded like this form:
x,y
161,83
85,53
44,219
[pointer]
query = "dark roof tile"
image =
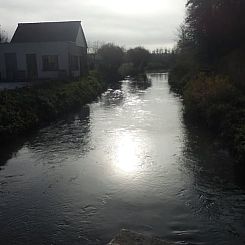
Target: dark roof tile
x,y
46,32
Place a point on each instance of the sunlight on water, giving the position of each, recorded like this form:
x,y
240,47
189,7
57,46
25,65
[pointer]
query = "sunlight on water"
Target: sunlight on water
x,y
129,161
127,154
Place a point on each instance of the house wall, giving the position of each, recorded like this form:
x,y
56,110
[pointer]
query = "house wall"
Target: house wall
x,y
64,51
80,52
80,40
40,49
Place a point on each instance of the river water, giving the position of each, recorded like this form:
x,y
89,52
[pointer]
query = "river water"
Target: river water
x,y
129,161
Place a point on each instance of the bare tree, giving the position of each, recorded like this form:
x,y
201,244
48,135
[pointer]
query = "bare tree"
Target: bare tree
x,y
3,36
94,46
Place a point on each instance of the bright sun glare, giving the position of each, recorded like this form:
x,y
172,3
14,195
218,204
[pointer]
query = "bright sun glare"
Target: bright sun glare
x,y
127,154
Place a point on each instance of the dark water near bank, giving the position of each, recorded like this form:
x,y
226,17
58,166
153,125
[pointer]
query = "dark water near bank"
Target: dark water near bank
x,y
126,161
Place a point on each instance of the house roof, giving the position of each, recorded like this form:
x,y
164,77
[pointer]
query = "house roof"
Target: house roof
x,y
47,32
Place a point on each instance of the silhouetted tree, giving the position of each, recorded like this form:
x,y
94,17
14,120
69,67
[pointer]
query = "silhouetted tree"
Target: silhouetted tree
x,y
110,58
139,57
160,60
3,36
215,27
209,68
94,46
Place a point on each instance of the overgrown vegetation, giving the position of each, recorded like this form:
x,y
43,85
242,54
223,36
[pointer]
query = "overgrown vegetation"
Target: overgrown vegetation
x,y
27,108
209,70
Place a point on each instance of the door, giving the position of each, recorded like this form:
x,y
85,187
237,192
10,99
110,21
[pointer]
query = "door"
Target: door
x,y
11,66
31,64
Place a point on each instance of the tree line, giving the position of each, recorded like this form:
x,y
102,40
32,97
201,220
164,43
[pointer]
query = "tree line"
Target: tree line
x,y
114,62
209,68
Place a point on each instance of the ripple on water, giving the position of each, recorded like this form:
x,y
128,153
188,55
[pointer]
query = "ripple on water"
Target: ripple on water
x,y
128,160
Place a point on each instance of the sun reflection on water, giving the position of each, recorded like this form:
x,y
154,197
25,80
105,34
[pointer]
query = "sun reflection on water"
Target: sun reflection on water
x,y
127,154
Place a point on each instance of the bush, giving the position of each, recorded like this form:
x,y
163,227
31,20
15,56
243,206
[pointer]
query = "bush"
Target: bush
x,y
110,59
215,102
26,108
207,96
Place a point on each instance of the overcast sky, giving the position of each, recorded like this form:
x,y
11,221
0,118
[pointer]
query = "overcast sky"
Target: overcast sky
x,y
128,23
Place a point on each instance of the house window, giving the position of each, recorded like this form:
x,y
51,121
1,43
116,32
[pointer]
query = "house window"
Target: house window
x,y
50,63
74,63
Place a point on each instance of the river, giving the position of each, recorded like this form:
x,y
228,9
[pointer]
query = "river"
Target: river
x,y
129,161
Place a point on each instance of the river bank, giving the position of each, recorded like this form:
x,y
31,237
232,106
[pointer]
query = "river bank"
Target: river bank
x,y
209,70
24,109
214,102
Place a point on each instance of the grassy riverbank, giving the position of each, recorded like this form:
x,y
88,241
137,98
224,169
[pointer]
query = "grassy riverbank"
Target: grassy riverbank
x,y
27,108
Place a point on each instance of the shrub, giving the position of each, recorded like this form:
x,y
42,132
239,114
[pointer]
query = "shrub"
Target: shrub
x,y
209,97
215,102
26,108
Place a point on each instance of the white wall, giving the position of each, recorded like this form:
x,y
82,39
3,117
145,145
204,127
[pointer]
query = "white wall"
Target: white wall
x,y
62,49
40,49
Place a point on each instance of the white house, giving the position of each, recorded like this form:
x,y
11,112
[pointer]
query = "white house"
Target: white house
x,y
47,50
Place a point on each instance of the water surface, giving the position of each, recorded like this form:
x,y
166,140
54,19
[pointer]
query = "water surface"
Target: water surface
x,y
125,161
